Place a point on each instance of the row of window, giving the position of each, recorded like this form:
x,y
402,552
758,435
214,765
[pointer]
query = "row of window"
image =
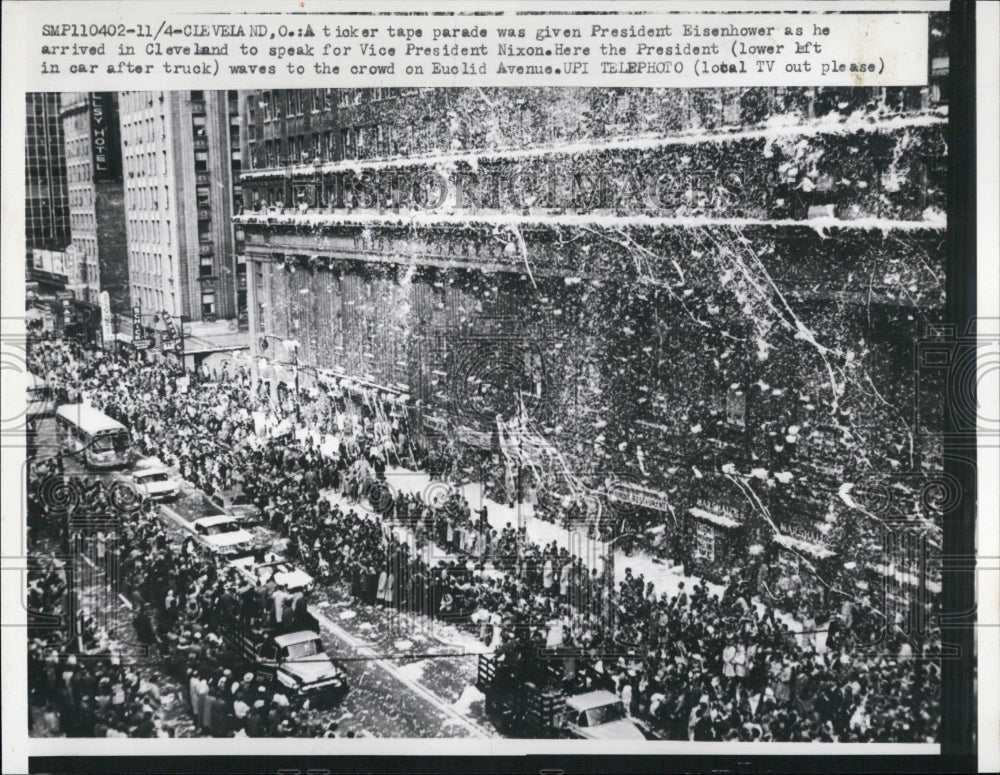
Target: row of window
x,y
140,130
130,101
144,164
147,230
150,298
81,196
78,148
79,173
150,264
145,196
80,222
297,102
346,143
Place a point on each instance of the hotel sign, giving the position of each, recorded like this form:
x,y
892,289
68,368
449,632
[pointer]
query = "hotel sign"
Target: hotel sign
x,y
104,137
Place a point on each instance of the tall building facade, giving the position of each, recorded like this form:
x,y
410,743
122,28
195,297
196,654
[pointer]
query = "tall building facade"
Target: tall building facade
x,y
651,294
96,193
46,195
181,164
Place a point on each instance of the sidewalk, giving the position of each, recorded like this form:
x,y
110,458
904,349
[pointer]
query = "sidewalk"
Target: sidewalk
x,y
665,578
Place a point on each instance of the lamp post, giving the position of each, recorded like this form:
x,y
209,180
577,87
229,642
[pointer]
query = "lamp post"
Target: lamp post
x,y
293,345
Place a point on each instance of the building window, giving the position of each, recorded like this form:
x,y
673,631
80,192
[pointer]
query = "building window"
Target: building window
x,y
704,548
201,161
205,267
208,302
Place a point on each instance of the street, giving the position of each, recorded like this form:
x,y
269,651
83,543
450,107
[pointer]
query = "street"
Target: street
x,y
390,693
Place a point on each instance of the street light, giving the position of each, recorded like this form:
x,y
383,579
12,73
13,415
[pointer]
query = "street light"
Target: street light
x,y
293,345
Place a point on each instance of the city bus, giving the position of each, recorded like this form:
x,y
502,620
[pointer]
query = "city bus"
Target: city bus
x,y
95,437
40,397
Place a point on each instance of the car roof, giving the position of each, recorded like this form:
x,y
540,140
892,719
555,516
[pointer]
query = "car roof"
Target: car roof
x,y
231,538
150,471
591,700
217,519
291,638
150,461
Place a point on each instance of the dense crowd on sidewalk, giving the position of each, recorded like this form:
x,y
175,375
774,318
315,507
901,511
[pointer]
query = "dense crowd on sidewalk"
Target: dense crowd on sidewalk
x,y
696,664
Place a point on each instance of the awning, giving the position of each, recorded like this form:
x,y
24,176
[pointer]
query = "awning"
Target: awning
x,y
715,519
797,544
211,343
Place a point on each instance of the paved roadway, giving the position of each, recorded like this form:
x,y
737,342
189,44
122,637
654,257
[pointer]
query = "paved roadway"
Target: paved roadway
x,y
407,678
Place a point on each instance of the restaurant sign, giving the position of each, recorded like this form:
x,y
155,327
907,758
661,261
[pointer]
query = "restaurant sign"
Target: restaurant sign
x,y
637,495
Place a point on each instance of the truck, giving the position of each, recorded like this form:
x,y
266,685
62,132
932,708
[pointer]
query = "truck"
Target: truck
x,y
541,708
291,656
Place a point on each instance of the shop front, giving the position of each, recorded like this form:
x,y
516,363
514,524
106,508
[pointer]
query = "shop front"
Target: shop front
x,y
645,518
715,540
801,561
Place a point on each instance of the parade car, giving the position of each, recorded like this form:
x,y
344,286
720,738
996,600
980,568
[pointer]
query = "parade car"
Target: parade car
x,y
598,715
271,568
224,535
237,503
156,482
291,657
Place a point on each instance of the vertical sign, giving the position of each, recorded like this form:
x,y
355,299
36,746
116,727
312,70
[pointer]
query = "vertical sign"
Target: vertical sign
x,y
170,341
139,339
169,323
104,136
106,331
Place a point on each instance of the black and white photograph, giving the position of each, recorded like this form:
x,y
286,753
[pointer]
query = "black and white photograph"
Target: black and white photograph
x,y
497,413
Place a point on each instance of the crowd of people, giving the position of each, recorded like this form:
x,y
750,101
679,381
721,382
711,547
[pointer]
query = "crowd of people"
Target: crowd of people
x,y
696,664
100,685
